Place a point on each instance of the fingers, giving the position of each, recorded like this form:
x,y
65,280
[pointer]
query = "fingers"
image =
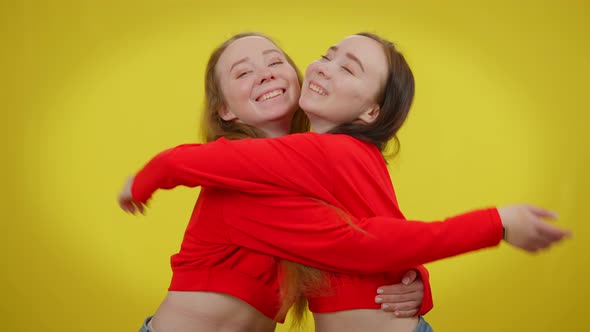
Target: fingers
x,y
405,313
131,206
400,289
409,277
400,298
126,201
404,306
540,212
548,234
392,289
528,230
545,236
551,232
141,208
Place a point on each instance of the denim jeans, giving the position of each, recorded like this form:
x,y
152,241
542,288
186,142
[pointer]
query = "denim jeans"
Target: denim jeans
x,y
423,326
144,327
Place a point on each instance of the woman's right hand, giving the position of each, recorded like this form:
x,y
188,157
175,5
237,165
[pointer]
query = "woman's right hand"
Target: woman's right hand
x,y
126,201
526,229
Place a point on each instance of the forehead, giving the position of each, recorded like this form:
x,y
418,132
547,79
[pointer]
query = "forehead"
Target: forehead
x,y
370,52
251,47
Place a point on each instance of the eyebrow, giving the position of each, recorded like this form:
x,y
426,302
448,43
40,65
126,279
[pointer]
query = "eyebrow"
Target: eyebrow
x,y
239,62
350,56
271,51
246,58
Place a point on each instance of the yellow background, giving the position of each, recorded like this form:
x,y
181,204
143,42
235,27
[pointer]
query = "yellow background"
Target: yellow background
x,y
91,89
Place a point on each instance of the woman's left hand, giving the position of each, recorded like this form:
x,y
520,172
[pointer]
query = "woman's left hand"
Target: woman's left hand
x,y
403,299
126,201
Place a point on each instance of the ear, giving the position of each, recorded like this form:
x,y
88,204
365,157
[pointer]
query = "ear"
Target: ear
x,y
370,115
226,114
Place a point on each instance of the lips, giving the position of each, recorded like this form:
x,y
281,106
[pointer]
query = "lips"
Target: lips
x,y
317,88
271,94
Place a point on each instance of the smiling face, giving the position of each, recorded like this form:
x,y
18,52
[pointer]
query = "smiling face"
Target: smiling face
x,y
260,88
345,85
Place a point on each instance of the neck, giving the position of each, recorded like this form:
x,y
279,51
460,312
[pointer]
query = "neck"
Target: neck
x,y
276,129
319,125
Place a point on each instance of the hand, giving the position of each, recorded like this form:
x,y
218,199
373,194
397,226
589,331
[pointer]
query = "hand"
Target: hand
x,y
403,299
526,229
126,201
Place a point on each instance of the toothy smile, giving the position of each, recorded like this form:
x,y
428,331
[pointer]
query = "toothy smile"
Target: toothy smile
x,y
270,94
317,89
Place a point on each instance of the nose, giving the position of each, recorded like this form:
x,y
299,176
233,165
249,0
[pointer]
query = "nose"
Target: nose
x,y
266,75
323,70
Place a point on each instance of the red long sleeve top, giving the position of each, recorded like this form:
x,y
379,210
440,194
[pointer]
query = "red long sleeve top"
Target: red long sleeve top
x,y
264,197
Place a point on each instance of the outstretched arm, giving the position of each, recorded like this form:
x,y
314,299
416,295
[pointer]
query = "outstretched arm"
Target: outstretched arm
x,y
294,164
317,235
313,233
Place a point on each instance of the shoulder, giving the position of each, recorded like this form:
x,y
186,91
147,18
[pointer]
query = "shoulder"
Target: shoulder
x,y
347,146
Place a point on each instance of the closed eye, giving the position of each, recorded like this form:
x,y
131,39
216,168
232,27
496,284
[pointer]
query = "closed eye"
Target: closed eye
x,y
276,63
243,74
325,58
348,70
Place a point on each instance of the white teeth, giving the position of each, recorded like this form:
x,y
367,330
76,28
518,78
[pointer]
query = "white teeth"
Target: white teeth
x,y
271,94
317,89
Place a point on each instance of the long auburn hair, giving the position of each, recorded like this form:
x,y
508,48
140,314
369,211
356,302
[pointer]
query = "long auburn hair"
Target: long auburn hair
x,y
296,279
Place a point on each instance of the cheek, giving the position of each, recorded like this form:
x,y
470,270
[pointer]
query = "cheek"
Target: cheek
x,y
293,80
311,68
374,89
296,86
354,97
348,90
236,94
240,89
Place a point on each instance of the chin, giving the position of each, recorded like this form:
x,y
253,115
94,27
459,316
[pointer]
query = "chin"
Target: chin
x,y
308,107
281,113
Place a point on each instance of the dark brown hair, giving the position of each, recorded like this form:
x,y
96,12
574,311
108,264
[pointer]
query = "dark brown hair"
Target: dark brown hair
x,y
395,101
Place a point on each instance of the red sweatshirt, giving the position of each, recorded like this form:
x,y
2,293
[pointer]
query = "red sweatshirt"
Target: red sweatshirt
x,y
276,215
